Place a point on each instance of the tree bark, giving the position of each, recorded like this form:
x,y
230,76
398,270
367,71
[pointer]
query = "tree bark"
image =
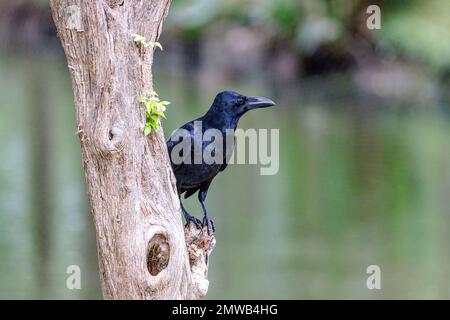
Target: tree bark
x,y
143,250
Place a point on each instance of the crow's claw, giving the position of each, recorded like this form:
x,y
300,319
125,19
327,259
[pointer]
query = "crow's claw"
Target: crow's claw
x,y
195,221
209,223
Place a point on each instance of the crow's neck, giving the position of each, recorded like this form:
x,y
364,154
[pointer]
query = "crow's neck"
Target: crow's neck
x,y
220,121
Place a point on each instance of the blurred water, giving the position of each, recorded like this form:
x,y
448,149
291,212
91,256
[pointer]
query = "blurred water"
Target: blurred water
x,y
356,186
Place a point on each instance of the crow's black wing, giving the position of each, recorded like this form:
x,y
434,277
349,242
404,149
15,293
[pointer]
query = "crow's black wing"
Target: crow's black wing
x,y
184,132
203,186
190,192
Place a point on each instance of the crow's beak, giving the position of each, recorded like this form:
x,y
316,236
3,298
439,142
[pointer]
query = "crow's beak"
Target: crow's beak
x,y
259,102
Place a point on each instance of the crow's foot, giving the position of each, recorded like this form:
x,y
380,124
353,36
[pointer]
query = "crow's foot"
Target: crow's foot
x,y
209,223
194,220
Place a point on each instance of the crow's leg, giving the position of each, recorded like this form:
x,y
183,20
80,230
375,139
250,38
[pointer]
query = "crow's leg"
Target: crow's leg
x,y
189,218
201,197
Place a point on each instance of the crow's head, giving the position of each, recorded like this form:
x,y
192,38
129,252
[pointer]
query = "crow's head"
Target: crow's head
x,y
233,104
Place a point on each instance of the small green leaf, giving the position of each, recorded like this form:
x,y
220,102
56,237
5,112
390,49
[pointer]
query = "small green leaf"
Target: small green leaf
x,y
156,45
147,130
154,111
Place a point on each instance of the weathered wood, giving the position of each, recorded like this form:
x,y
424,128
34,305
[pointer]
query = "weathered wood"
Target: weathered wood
x,y
140,238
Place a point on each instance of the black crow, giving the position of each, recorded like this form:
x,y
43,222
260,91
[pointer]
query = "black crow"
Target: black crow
x,y
193,172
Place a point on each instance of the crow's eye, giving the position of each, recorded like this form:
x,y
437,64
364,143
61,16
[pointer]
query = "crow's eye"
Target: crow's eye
x,y
240,101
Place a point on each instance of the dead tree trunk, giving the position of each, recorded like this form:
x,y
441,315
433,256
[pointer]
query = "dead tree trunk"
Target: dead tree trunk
x,y
142,249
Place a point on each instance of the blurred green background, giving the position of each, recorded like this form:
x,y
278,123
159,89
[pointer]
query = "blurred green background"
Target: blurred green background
x,y
364,148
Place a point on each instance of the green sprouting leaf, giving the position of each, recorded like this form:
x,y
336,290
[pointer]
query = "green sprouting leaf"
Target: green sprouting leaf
x,y
157,45
141,42
154,111
147,130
